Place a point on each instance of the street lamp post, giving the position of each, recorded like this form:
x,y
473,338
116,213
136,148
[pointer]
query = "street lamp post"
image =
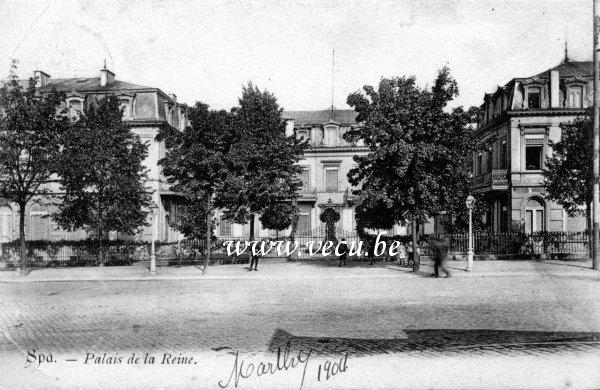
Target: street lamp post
x,y
470,202
154,210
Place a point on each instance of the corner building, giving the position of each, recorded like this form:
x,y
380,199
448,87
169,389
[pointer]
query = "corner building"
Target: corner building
x,y
517,125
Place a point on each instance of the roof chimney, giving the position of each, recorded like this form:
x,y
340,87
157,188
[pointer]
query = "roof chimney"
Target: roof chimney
x,y
554,88
41,78
106,76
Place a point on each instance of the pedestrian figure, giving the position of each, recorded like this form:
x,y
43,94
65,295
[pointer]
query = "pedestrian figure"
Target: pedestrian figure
x,y
440,250
401,254
254,257
411,255
371,251
343,251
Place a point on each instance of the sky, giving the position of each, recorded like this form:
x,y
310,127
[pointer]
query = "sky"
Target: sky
x,y
207,50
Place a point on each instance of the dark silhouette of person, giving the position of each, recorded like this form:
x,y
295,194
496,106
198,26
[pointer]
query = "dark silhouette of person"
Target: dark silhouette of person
x,y
343,251
440,250
254,258
371,251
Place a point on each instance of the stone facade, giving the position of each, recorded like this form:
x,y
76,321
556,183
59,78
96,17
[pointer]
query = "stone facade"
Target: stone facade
x,y
516,128
146,110
325,164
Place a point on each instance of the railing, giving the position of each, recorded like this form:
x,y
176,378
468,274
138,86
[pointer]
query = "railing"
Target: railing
x,y
554,244
496,179
84,253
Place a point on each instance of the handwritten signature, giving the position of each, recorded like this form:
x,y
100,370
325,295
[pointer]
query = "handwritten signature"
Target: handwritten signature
x,y
284,362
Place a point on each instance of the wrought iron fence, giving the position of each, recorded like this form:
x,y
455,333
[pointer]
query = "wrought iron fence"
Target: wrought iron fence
x,y
189,251
553,244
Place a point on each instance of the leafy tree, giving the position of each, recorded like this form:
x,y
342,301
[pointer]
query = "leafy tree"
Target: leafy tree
x,y
417,158
568,177
30,129
262,170
195,165
101,173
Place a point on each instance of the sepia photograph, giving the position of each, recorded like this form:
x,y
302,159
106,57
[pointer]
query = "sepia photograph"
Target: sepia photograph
x,y
299,194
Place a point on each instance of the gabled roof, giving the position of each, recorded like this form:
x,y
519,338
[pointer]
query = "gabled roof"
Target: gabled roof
x,y
570,69
89,84
321,117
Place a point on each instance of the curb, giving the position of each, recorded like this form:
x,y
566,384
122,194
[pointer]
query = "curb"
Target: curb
x,y
147,278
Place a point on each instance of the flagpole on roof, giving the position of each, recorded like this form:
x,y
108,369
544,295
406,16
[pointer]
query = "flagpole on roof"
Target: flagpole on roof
x,y
332,78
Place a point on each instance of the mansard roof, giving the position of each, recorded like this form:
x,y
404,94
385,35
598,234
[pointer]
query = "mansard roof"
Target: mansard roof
x,y
570,69
322,117
91,84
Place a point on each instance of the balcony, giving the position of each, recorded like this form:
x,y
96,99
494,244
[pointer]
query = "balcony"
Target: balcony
x,y
497,179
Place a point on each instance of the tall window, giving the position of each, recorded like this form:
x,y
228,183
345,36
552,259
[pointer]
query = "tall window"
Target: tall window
x,y
533,97
533,157
224,227
479,163
576,96
39,223
503,155
305,177
331,179
303,224
490,158
6,223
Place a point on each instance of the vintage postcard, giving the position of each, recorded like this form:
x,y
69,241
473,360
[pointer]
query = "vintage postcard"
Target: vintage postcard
x,y
299,194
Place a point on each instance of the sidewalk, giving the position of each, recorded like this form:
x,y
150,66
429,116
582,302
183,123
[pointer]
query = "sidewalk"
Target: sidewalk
x,y
327,269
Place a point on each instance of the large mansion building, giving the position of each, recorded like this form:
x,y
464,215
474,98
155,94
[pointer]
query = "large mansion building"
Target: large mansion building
x,y
325,166
146,110
518,123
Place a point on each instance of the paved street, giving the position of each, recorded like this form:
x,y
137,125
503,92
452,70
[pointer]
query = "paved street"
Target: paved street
x,y
416,318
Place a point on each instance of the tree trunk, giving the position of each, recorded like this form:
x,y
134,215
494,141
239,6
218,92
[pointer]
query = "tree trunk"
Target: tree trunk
x,y
208,236
588,212
100,247
252,227
23,245
416,257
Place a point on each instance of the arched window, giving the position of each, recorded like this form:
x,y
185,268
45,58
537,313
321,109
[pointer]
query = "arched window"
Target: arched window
x,y
38,222
6,223
125,105
534,216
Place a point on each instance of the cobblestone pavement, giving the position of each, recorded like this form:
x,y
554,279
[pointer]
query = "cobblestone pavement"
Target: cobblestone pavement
x,y
535,316
252,315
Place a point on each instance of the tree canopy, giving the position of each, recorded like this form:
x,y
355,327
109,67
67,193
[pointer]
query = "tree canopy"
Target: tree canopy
x,y
418,150
262,168
568,177
101,173
30,129
195,164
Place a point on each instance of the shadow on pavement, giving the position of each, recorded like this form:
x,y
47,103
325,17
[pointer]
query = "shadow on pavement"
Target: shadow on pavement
x,y
440,341
334,263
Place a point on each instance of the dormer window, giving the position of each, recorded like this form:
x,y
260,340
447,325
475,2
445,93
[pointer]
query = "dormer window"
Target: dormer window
x,y
302,135
125,103
533,97
74,107
331,136
576,96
